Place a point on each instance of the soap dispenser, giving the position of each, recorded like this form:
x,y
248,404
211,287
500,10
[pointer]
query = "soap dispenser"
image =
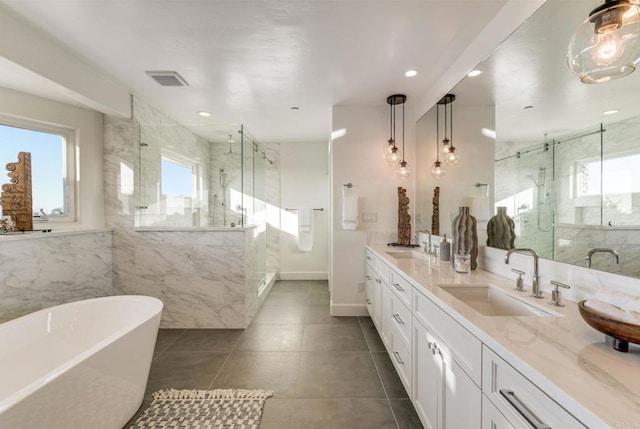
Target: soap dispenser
x,y
445,249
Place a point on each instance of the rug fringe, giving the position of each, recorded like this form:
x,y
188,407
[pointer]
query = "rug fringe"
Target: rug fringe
x,y
212,394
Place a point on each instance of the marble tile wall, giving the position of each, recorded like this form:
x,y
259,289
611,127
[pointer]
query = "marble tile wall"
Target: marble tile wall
x,y
200,275
584,281
62,267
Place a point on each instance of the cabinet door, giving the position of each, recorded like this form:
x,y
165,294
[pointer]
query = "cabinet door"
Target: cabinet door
x,y
492,418
386,314
369,292
462,398
427,378
377,304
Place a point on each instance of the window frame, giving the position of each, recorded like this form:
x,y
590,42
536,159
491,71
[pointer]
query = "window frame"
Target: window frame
x,y
71,162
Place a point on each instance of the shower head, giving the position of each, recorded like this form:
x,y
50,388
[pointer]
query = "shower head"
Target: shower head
x,y
231,152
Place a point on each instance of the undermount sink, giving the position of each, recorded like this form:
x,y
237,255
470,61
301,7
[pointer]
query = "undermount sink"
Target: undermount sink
x,y
490,301
405,255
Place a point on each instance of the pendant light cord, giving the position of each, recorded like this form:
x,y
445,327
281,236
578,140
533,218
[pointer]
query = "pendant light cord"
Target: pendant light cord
x,y
403,132
437,132
451,125
445,120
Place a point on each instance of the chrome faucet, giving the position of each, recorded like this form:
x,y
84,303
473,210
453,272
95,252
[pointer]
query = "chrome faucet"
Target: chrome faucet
x,y
535,286
591,252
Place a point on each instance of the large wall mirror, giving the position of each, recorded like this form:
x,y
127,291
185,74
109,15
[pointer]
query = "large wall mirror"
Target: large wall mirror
x,y
566,155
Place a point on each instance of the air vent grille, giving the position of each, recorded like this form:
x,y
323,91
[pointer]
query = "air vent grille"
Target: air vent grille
x,y
168,78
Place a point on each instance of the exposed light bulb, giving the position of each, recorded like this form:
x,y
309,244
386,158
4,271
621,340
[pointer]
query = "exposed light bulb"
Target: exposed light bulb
x,y
403,171
438,171
445,145
607,48
393,156
607,44
452,157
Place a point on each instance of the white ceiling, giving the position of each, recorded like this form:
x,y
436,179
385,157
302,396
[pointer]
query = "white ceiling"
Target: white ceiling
x,y
530,69
249,62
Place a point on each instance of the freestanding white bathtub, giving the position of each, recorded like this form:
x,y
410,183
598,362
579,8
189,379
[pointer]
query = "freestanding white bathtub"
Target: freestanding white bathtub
x,y
79,365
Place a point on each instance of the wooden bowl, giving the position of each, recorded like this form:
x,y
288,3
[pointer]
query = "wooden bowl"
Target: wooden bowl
x,y
622,333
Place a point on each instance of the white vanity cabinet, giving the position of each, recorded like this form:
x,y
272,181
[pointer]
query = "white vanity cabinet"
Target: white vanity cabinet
x,y
519,401
445,396
453,379
376,295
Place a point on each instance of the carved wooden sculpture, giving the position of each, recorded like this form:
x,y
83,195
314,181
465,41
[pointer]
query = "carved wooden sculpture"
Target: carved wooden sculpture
x,y
16,196
435,217
404,218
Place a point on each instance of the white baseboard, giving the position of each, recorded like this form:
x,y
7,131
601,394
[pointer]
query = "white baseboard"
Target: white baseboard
x,y
348,310
304,275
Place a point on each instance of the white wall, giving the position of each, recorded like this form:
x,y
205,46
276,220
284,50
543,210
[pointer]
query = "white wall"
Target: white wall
x,y
31,60
304,182
357,158
89,133
476,164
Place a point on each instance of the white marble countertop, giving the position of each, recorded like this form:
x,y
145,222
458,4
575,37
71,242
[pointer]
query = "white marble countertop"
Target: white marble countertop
x,y
562,355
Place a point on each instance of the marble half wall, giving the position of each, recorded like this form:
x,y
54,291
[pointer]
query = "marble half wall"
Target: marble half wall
x,y
61,267
203,275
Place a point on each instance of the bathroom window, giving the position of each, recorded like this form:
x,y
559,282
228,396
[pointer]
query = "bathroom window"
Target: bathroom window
x,y
53,178
179,184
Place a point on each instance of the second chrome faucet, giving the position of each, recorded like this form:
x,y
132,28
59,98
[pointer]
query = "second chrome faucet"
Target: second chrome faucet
x,y
535,286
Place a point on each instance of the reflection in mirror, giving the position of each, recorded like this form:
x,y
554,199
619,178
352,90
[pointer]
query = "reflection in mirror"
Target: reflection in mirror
x,y
567,174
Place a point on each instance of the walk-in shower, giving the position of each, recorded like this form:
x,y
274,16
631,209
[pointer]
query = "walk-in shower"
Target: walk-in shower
x,y
212,179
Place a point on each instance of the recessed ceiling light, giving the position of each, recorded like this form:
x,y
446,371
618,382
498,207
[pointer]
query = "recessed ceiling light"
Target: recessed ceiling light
x,y
205,114
411,73
611,112
474,73
527,107
295,108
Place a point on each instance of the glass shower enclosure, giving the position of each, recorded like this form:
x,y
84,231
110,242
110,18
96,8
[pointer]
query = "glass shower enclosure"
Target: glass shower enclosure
x,y
210,180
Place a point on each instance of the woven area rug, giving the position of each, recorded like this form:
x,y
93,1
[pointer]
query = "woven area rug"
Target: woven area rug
x,y
204,409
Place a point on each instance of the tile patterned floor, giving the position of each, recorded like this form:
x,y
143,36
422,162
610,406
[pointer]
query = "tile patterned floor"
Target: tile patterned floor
x,y
327,372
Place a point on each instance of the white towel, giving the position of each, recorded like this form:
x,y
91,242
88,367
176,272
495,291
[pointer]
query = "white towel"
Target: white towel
x,y
349,209
614,297
305,229
612,311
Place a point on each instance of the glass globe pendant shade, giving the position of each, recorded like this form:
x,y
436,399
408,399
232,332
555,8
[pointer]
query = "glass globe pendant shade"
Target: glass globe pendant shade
x,y
387,146
403,171
446,147
438,171
393,156
452,157
607,44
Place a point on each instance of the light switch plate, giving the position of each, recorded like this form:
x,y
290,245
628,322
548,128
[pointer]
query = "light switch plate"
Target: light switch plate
x,y
370,217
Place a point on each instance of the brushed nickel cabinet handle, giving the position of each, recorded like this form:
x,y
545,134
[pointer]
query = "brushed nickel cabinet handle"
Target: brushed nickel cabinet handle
x,y
522,409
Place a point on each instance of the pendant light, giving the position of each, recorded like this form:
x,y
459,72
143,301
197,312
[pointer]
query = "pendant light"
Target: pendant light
x,y
607,44
445,142
393,153
451,157
391,143
438,170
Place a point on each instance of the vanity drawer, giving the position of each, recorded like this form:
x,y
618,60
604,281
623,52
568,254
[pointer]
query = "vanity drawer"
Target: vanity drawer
x,y
401,288
377,265
400,353
492,418
465,347
400,317
521,402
